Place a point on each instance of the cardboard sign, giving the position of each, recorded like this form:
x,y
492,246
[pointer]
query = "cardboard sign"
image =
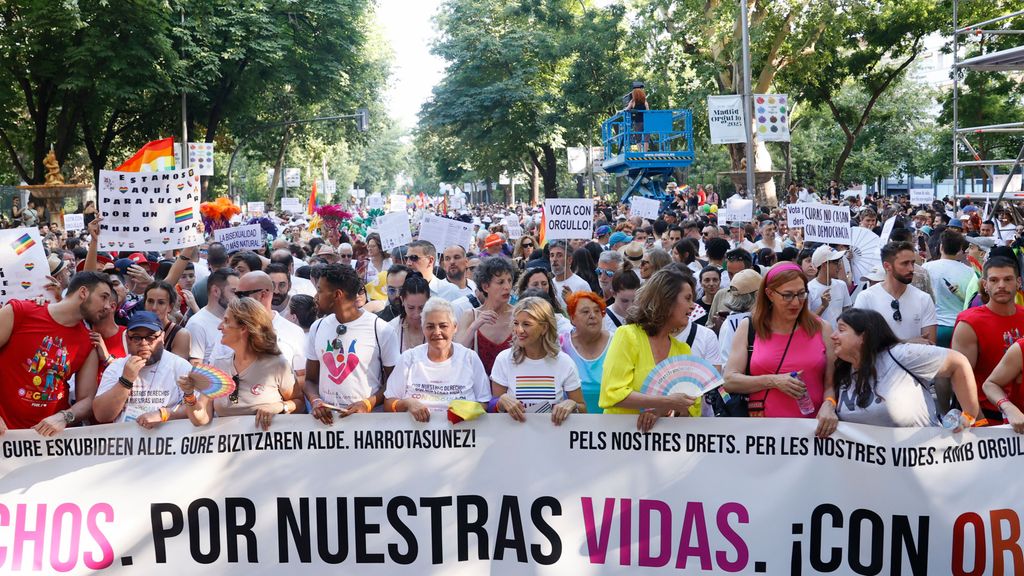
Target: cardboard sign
x,y
737,210
826,223
149,210
725,117
74,222
248,237
644,207
394,230
292,205
255,207
23,266
445,232
569,219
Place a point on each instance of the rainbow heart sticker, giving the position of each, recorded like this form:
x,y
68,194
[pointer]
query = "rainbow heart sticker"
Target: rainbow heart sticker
x,y
123,188
181,186
29,266
167,240
26,284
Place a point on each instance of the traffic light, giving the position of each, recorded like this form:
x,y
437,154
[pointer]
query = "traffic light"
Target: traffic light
x,y
362,119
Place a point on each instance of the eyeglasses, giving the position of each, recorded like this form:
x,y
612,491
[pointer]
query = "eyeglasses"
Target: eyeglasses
x,y
527,245
337,343
608,273
152,338
248,293
348,256
789,296
233,397
896,315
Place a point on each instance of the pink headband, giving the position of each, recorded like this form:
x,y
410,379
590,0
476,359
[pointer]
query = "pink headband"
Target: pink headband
x,y
780,268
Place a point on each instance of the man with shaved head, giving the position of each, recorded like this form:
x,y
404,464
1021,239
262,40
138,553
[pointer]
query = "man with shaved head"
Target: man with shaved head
x,y
299,285
290,337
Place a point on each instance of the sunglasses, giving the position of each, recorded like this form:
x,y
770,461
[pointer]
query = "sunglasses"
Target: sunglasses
x,y
527,245
248,293
337,343
896,315
608,273
413,257
348,256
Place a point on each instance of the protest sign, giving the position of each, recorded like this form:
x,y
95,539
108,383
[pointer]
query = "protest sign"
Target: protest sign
x,y
577,159
375,201
255,207
394,230
644,207
705,496
887,229
771,117
293,177
292,205
330,187
398,202
149,210
795,215
515,231
23,265
725,116
569,219
248,237
826,223
921,196
200,157
736,210
458,202
74,222
445,232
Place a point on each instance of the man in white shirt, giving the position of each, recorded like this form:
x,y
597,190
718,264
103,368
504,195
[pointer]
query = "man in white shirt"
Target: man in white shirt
x,y
768,237
455,266
204,326
566,280
828,296
421,257
349,352
909,311
290,337
299,285
608,264
950,280
143,386
739,239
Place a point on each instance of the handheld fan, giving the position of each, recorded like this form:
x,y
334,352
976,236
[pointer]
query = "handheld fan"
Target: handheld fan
x,y
683,374
212,382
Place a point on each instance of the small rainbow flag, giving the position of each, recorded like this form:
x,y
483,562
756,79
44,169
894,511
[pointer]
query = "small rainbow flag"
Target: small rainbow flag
x,y
542,238
155,156
22,244
182,215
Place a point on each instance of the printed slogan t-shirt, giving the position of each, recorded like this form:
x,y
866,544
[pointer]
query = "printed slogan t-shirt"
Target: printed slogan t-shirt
x,y
351,371
435,384
538,384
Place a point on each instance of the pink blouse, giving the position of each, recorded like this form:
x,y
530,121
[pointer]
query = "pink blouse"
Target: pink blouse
x,y
806,353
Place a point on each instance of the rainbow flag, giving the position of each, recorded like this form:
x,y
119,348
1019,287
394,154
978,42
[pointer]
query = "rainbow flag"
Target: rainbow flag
x,y
23,243
542,235
182,215
313,200
156,156
535,388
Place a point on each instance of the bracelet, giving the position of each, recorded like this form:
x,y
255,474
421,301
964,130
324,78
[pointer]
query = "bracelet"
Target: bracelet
x,y
833,401
108,360
968,420
185,258
164,414
369,406
999,404
125,382
392,407
189,399
492,405
316,403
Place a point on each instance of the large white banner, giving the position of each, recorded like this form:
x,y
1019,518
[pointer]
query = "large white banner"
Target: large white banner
x,y
149,210
725,116
569,219
380,495
23,265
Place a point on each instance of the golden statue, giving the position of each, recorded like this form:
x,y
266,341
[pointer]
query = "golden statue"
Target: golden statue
x,y
53,176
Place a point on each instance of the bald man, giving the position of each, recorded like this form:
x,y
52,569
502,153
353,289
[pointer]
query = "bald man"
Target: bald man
x,y
290,337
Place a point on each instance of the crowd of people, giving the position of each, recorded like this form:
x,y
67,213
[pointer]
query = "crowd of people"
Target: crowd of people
x,y
323,321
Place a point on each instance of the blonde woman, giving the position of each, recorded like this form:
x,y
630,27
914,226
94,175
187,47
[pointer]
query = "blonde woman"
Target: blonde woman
x,y
264,381
534,375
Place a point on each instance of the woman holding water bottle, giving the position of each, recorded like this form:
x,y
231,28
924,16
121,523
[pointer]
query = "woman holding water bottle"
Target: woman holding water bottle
x,y
884,382
779,356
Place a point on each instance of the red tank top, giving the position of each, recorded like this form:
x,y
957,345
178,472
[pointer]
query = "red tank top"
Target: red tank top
x,y
488,351
36,363
995,335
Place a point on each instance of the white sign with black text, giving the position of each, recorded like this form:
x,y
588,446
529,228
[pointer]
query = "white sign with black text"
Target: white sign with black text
x,y
569,219
248,237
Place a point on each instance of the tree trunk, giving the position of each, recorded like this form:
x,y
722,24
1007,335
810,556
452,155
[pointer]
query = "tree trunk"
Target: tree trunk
x,y
534,186
278,168
764,194
837,174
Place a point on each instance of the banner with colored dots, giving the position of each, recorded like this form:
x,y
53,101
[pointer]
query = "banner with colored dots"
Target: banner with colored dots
x,y
771,117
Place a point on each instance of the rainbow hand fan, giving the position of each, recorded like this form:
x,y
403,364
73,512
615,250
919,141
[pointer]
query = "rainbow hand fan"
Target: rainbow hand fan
x,y
212,382
690,375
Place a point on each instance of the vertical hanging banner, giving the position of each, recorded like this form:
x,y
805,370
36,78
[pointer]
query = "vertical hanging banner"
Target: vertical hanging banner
x,y
725,117
394,230
23,266
200,157
771,117
826,223
569,219
149,210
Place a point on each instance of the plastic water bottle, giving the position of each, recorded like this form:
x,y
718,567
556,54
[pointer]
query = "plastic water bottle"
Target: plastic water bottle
x,y
951,420
804,402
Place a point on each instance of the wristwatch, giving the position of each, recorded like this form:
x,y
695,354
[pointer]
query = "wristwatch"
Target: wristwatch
x,y
69,417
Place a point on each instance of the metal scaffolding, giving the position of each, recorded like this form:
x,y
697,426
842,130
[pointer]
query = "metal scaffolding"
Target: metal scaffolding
x,y
1011,59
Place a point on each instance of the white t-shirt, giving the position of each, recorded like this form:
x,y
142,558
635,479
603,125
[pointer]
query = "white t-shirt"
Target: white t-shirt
x,y
916,309
609,324
727,332
435,384
450,288
353,371
291,340
898,400
841,299
302,286
563,325
945,273
203,328
538,384
202,269
705,343
575,284
156,386
444,289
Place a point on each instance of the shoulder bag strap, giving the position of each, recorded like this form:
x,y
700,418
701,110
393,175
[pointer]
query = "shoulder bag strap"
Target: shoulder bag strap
x,y
692,336
615,319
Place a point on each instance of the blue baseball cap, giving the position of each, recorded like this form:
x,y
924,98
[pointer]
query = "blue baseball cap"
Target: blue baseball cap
x,y
620,237
955,223
602,230
144,319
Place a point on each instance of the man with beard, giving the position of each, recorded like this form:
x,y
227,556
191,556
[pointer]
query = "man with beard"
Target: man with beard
x,y
984,333
349,352
395,280
259,286
142,386
909,311
455,264
282,286
204,326
52,344
566,280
